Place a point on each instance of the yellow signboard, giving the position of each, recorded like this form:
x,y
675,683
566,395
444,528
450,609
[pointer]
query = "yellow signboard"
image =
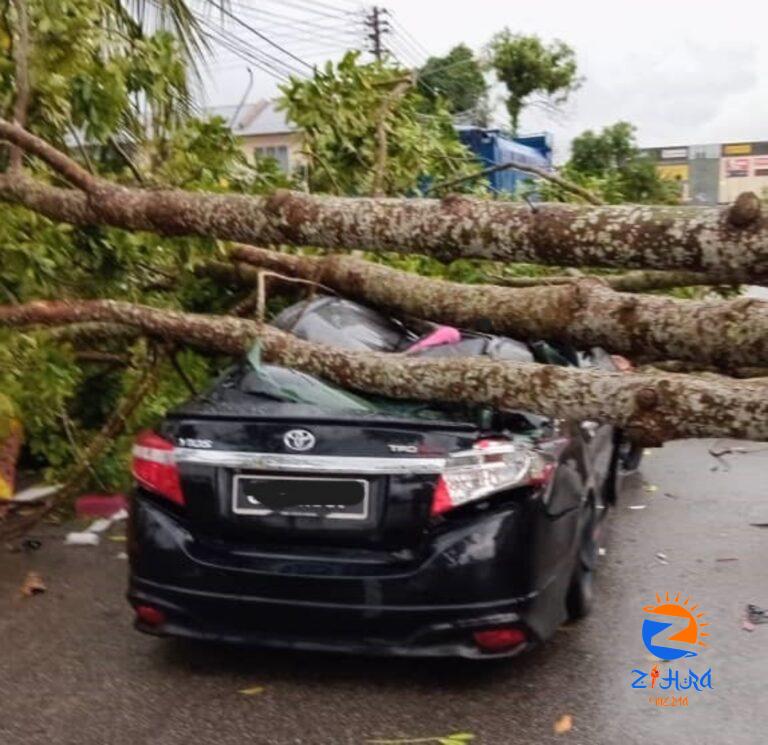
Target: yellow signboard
x,y
742,149
676,172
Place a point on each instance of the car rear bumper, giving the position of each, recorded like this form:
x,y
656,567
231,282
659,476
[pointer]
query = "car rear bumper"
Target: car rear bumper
x,y
428,607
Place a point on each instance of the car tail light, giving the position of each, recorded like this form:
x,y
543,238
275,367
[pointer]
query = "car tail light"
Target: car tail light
x,y
499,640
149,615
154,466
490,465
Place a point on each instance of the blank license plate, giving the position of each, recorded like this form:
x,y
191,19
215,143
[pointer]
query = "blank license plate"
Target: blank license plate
x,y
339,499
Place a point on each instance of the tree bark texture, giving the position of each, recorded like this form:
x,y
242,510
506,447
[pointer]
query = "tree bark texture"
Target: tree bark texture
x,y
584,313
706,239
636,281
651,407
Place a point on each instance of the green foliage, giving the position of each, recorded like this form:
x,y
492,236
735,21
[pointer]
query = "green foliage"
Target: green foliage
x,y
89,67
528,66
339,109
457,79
610,164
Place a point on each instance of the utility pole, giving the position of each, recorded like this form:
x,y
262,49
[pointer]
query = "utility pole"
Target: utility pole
x,y
379,26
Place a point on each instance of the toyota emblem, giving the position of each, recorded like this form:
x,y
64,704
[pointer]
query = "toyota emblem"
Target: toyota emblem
x,y
299,439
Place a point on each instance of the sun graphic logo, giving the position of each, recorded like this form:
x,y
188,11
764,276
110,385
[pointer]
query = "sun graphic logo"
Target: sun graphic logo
x,y
673,630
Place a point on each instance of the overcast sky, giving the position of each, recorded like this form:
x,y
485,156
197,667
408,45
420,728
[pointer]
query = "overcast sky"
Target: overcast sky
x,y
683,72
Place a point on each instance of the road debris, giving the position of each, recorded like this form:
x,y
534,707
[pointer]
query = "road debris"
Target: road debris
x,y
563,724
252,690
84,538
637,506
756,614
91,536
100,505
33,585
662,558
650,488
36,493
457,738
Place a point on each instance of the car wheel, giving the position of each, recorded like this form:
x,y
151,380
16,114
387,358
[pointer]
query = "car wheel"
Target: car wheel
x,y
631,455
611,486
580,595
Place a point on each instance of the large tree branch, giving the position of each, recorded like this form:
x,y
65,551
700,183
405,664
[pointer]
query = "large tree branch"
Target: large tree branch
x,y
21,63
585,313
635,281
61,163
651,407
707,239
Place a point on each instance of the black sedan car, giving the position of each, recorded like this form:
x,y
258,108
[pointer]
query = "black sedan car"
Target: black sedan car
x,y
279,510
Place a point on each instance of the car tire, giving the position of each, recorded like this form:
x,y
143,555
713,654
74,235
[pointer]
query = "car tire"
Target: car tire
x,y
611,485
580,595
631,455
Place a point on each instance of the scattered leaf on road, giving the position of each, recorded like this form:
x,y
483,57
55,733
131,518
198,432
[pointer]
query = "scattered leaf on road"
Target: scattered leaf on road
x,y
457,738
650,488
563,724
33,585
252,690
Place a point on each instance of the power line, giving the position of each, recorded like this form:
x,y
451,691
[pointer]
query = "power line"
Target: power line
x,y
232,40
329,12
293,20
258,33
274,66
421,50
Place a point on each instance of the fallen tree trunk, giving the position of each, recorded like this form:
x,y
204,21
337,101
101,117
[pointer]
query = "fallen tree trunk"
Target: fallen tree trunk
x,y
706,239
585,313
636,281
652,408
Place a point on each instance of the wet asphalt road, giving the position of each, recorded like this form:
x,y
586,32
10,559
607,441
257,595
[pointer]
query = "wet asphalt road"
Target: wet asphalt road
x,y
73,671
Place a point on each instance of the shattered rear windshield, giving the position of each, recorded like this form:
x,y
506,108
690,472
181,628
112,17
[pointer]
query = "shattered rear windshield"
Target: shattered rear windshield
x,y
291,386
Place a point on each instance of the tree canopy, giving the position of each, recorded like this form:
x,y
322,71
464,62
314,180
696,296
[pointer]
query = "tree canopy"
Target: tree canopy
x,y
363,120
527,66
458,79
610,163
